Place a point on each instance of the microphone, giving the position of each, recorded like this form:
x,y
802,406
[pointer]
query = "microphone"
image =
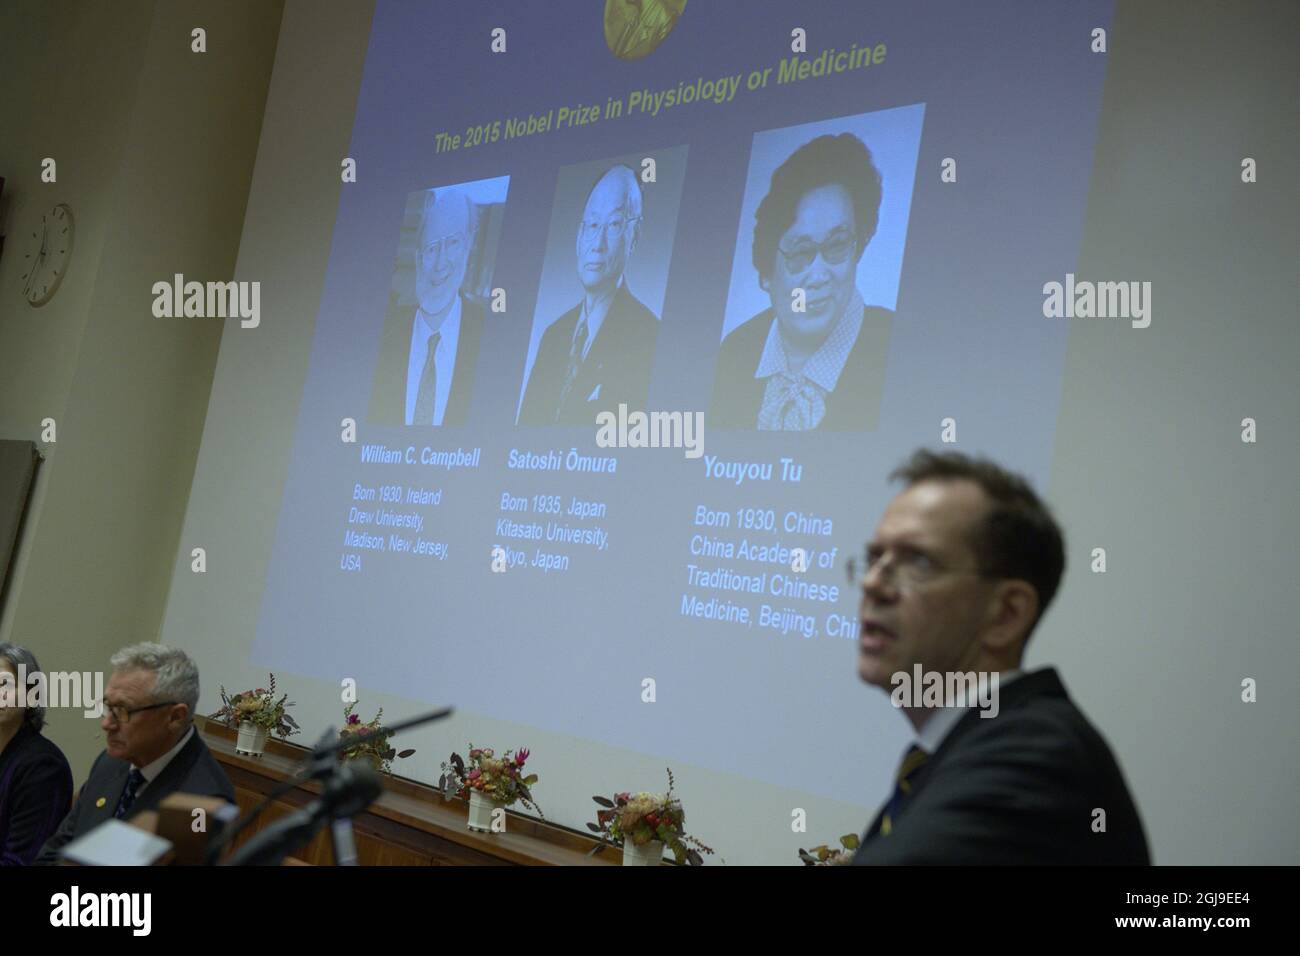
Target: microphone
x,y
347,792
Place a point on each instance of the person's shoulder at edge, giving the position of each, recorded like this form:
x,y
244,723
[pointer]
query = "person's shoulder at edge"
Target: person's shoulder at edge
x,y
46,749
734,404
632,309
473,308
207,762
748,337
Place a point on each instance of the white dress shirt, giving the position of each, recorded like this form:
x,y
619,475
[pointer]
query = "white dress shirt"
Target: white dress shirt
x,y
444,359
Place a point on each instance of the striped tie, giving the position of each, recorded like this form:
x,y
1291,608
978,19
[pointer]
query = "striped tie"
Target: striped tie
x,y
426,398
134,781
912,762
575,363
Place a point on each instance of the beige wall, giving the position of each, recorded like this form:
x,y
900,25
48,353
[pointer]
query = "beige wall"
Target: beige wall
x,y
155,147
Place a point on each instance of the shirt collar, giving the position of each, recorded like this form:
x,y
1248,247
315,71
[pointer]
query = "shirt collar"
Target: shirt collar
x,y
825,365
450,325
944,719
152,770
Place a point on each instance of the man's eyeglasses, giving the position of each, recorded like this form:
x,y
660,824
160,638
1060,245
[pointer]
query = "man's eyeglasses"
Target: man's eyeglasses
x,y
122,715
906,568
613,228
450,245
835,250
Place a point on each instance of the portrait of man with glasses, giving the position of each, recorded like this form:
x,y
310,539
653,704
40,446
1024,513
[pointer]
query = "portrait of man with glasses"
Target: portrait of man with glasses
x,y
815,358
435,320
599,353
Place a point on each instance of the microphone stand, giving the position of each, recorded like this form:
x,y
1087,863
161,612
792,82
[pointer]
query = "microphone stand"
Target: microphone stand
x,y
278,840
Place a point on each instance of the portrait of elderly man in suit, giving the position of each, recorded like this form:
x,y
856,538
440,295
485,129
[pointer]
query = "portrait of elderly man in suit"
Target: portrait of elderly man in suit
x,y
599,353
427,358
815,358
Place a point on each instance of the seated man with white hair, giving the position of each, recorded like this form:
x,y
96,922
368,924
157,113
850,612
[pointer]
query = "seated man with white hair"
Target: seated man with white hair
x,y
151,747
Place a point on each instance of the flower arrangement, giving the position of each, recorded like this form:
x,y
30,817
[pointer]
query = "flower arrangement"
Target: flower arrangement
x,y
497,778
825,856
642,817
375,744
258,707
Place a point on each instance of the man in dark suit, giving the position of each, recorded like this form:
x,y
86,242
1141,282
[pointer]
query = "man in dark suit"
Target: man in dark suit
x,y
151,747
961,568
425,373
598,354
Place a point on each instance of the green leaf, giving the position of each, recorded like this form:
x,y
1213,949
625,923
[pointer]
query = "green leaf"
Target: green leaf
x,y
849,841
529,780
604,802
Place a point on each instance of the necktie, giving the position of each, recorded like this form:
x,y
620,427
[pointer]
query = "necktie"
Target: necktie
x,y
912,762
426,398
575,362
134,781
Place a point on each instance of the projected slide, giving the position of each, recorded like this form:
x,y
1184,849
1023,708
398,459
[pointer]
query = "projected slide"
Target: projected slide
x,y
633,309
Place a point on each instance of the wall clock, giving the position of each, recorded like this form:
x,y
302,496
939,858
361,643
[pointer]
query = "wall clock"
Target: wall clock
x,y
49,250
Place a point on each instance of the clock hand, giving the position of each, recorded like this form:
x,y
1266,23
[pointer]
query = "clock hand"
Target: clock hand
x,y
31,276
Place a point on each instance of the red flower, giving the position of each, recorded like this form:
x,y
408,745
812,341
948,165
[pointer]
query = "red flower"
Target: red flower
x,y
473,774
521,756
353,719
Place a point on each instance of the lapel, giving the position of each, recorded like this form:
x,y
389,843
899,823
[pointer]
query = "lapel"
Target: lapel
x,y
172,777
102,792
1045,682
604,351
462,375
388,398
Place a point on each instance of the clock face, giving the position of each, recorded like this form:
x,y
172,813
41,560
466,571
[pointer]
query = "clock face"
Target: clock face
x,y
49,250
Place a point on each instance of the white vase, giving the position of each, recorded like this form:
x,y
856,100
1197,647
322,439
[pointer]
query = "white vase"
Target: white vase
x,y
651,854
251,740
481,808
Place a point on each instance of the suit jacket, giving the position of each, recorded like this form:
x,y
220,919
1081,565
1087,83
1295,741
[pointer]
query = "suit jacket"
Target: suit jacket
x,y
388,397
854,405
616,369
35,793
1018,788
192,770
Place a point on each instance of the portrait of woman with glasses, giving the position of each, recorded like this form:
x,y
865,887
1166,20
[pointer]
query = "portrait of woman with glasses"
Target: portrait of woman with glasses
x,y
815,358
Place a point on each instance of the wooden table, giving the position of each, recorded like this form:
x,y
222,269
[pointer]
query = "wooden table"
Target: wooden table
x,y
408,825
